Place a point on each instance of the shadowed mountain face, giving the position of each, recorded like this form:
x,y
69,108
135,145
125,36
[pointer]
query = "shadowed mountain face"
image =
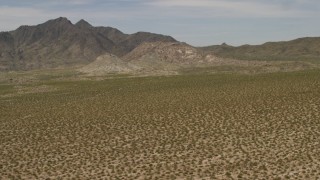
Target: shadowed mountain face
x,y
58,43
298,49
6,46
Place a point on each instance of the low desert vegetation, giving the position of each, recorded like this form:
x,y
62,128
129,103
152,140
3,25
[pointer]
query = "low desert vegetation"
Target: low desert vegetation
x,y
218,126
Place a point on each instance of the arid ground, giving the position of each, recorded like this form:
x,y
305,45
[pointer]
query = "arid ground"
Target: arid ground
x,y
219,126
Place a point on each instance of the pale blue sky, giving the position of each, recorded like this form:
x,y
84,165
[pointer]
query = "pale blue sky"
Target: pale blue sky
x,y
197,22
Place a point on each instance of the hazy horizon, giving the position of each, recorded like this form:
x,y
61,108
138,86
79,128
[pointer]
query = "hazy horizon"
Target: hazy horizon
x,y
197,22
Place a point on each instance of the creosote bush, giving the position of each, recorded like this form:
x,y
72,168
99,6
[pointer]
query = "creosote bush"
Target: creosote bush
x,y
192,126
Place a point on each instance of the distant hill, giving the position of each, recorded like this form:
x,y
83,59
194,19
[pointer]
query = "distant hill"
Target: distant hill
x,y
152,58
58,42
170,52
305,49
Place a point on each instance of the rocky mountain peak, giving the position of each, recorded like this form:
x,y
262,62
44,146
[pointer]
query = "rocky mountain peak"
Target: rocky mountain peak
x,y
83,24
60,20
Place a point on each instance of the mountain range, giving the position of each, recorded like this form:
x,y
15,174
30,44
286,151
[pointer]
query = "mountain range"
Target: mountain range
x,y
59,43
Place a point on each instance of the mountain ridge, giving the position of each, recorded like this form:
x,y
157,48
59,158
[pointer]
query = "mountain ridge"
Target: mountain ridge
x,y
306,48
58,43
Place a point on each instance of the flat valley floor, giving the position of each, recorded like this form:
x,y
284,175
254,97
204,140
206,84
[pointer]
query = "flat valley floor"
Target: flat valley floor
x,y
219,126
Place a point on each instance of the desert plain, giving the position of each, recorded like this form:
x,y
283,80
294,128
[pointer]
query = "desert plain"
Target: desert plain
x,y
189,126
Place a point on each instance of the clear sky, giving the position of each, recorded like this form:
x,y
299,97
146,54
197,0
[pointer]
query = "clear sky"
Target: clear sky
x,y
197,22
